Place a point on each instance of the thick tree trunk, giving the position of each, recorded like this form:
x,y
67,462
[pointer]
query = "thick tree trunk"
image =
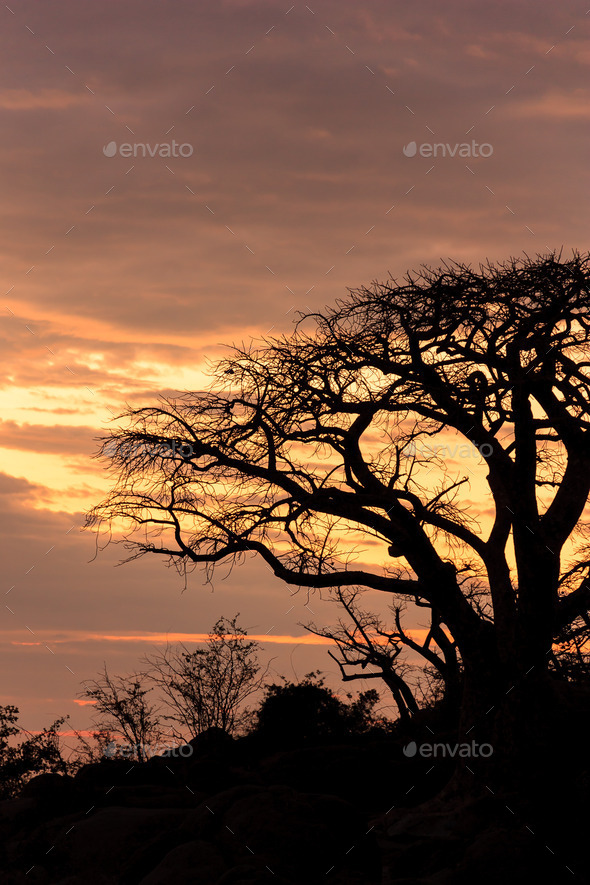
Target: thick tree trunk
x,y
507,718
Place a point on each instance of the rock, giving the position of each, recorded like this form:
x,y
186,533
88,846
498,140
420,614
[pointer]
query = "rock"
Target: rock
x,y
508,856
299,836
184,863
107,840
14,810
211,740
122,772
149,796
50,788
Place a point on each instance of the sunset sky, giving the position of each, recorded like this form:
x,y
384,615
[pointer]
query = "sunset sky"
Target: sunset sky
x,y
122,274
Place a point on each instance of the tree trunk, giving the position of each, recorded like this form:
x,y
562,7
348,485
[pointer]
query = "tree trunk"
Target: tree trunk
x,y
506,718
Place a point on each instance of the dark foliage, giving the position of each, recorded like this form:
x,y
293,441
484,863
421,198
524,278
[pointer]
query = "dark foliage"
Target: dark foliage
x,y
36,754
298,713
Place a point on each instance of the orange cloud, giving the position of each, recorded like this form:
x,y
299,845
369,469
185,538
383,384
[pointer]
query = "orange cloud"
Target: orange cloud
x,y
25,100
78,636
572,105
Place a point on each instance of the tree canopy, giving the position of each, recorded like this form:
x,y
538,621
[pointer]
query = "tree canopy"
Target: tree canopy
x,y
316,449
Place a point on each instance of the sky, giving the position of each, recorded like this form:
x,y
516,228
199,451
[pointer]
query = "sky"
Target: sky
x,y
180,176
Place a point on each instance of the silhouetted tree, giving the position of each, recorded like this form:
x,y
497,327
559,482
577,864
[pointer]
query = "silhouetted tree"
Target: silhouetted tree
x,y
570,659
207,687
123,709
366,642
308,444
89,749
37,754
307,711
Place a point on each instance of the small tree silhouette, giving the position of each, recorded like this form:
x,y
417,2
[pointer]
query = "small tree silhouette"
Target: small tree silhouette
x,y
208,687
294,713
123,708
36,754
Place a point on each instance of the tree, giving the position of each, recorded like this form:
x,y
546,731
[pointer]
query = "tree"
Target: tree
x,y
123,709
310,444
208,687
570,659
367,643
307,712
91,748
37,754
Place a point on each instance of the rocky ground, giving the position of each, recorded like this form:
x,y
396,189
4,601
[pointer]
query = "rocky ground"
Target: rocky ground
x,y
234,812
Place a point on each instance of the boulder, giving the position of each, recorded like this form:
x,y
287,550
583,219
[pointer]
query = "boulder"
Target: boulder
x,y
187,864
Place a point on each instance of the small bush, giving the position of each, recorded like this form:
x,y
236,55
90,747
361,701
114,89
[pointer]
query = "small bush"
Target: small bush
x,y
308,712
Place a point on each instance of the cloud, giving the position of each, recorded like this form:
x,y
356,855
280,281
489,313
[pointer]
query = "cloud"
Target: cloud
x,y
556,105
75,637
18,488
57,440
53,99
154,638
